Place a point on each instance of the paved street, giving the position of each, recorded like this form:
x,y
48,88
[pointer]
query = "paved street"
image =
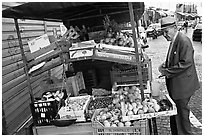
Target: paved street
x,y
157,52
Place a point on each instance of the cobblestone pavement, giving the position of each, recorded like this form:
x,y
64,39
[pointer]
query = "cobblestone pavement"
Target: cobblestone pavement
x,y
157,52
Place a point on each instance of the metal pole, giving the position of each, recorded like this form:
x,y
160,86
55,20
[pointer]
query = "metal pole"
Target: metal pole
x,y
24,61
136,49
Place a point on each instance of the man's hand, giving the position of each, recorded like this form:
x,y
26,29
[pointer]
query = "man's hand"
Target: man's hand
x,y
161,70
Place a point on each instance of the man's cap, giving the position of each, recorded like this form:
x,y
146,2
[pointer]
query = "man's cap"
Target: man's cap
x,y
167,22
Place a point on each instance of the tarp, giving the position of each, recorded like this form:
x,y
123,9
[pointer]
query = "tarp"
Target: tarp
x,y
77,13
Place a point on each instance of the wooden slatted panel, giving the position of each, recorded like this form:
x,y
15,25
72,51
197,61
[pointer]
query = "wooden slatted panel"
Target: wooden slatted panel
x,y
23,95
23,112
15,95
10,68
57,72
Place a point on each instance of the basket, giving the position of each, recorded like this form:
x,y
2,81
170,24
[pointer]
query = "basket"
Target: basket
x,y
43,112
124,74
141,128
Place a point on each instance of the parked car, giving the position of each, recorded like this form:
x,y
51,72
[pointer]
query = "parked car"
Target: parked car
x,y
197,33
151,28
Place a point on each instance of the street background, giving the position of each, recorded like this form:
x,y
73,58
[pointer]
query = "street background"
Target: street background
x,y
157,52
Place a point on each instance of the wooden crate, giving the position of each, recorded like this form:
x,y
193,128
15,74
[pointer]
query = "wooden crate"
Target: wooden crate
x,y
79,114
142,128
172,111
73,84
130,75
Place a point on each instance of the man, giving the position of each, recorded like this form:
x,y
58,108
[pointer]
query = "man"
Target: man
x,y
180,73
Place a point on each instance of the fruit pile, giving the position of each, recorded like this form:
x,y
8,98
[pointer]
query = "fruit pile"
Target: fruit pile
x,y
98,103
76,103
132,103
112,118
119,39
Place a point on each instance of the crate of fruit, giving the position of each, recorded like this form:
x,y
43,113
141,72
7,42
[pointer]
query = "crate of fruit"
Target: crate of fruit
x,y
75,107
134,109
126,74
129,88
103,125
44,112
98,103
164,107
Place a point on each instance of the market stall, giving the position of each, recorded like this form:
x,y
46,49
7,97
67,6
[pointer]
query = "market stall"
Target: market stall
x,y
117,99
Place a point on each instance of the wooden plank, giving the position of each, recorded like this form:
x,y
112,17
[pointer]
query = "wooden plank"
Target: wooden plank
x,y
19,99
10,43
12,75
24,35
49,65
13,67
7,95
51,23
51,29
30,22
13,51
18,110
42,51
7,21
47,57
8,28
31,27
13,83
11,59
23,27
16,122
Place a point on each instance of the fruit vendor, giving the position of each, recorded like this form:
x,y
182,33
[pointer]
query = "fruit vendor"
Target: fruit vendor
x,y
180,73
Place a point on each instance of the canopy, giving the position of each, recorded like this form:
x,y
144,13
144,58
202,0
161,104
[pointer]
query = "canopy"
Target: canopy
x,y
76,13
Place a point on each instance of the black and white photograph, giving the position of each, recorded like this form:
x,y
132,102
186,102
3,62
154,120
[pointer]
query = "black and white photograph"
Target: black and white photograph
x,y
102,67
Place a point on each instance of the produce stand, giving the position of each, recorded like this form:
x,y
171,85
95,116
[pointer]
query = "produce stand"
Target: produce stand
x,y
90,53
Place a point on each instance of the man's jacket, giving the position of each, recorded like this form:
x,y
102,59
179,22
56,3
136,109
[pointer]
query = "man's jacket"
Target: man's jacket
x,y
181,77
